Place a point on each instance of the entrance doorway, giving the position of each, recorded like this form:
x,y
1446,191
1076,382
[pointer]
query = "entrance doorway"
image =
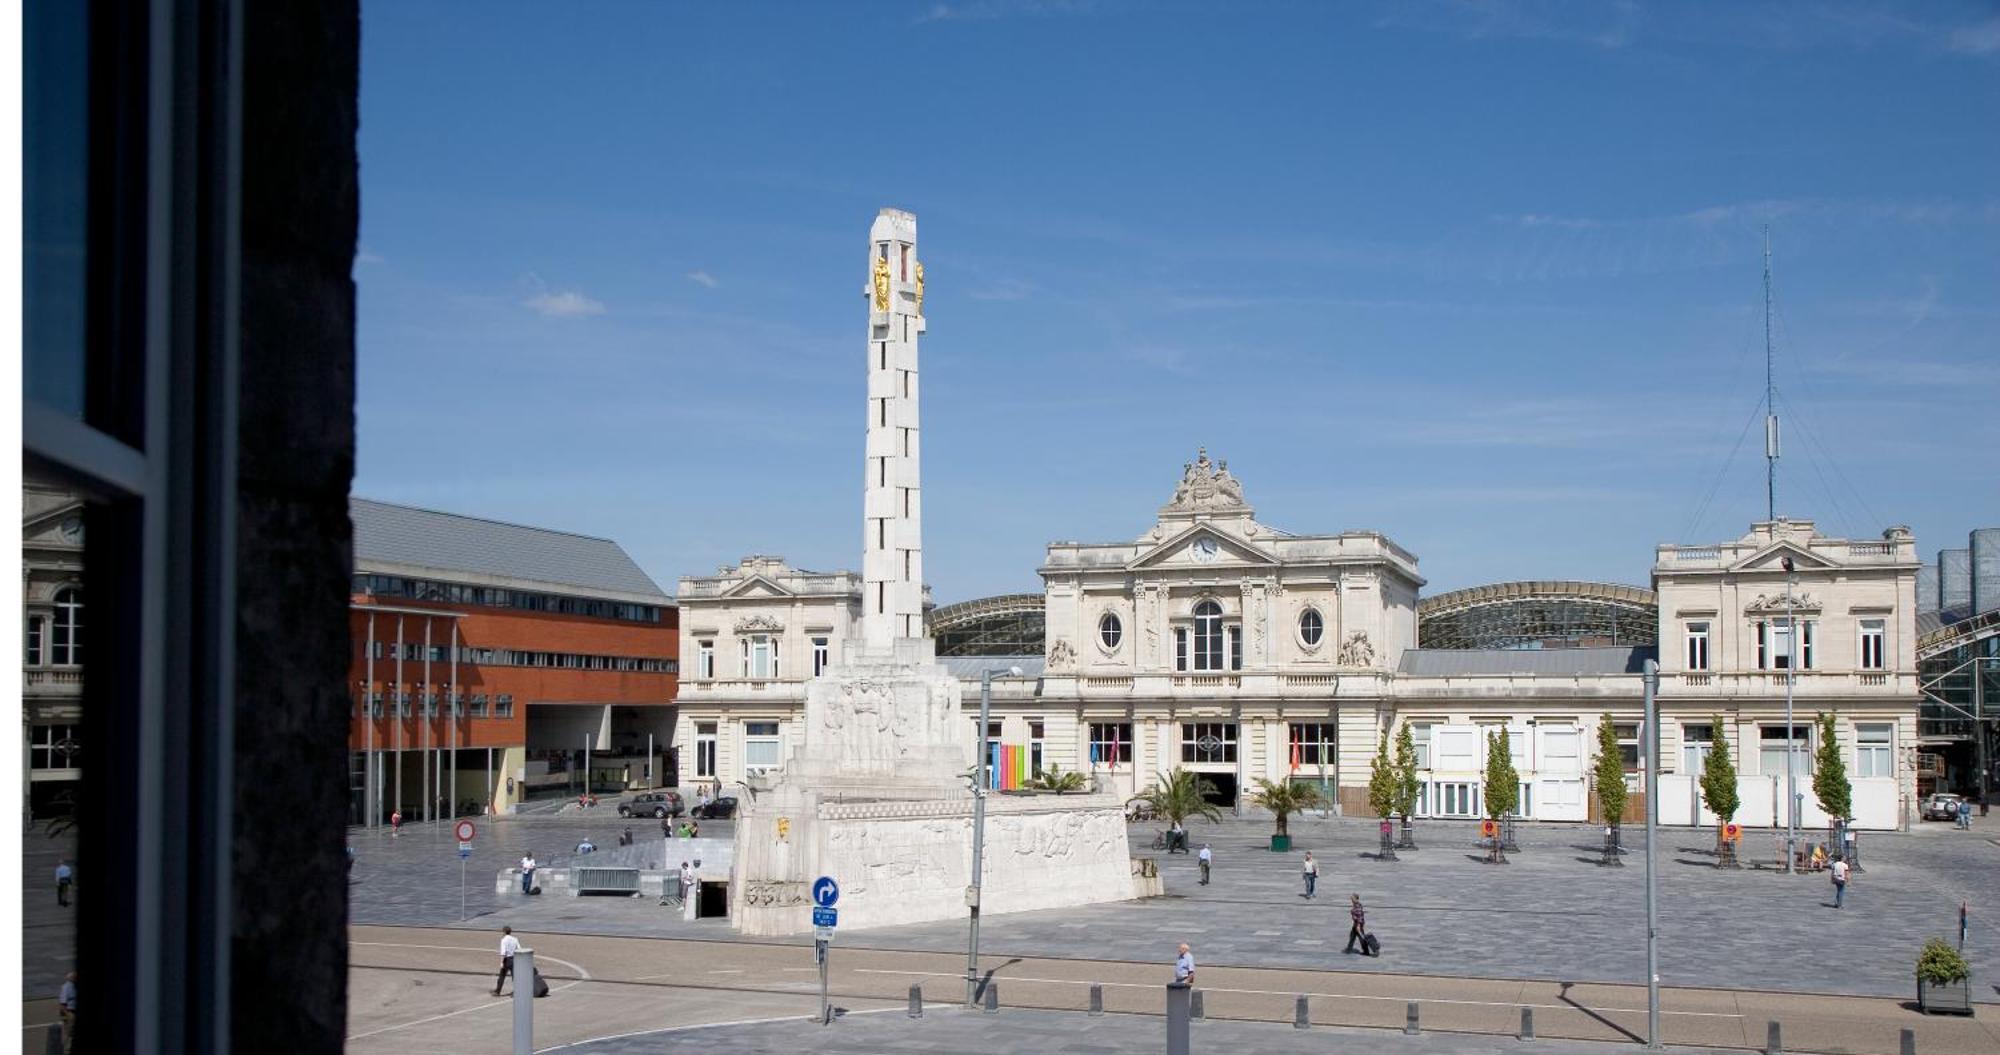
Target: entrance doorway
x,y
1225,789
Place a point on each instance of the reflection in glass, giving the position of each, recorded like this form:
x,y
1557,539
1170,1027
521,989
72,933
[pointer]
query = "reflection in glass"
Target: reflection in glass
x,y
54,186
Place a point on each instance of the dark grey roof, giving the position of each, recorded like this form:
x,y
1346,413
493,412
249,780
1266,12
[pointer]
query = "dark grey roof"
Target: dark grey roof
x,y
968,668
448,542
1451,662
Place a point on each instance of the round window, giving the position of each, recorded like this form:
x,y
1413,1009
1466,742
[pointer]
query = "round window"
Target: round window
x,y
1311,626
1109,630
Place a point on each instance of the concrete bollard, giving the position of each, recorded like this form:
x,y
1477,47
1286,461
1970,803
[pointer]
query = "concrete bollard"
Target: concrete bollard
x,y
916,1001
1301,1015
1410,1021
1096,999
1527,1024
1774,1043
1909,1042
1177,1018
1195,1009
992,998
524,1002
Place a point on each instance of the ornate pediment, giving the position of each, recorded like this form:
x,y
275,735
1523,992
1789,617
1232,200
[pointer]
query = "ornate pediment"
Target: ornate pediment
x,y
759,624
756,586
1772,558
1202,545
1777,604
1206,485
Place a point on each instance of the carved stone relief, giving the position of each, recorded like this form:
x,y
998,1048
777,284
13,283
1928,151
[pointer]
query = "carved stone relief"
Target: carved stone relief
x,y
1357,651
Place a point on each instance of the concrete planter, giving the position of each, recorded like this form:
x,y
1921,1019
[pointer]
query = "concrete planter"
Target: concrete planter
x,y
1281,844
1945,998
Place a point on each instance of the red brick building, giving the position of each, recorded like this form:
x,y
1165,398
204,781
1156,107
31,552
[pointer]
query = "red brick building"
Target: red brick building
x,y
559,652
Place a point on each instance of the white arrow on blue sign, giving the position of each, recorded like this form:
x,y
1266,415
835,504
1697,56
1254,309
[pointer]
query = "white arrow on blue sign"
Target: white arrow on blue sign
x,y
825,891
826,917
464,850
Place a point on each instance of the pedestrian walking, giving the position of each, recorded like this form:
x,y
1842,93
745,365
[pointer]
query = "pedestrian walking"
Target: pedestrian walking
x,y
1965,814
1206,859
66,1011
1184,966
666,827
1311,875
687,881
1357,928
509,945
1839,881
528,872
64,877
395,822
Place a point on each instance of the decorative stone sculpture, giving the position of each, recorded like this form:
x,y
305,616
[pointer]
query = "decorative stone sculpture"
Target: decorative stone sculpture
x,y
920,287
1206,485
881,284
1062,655
1356,651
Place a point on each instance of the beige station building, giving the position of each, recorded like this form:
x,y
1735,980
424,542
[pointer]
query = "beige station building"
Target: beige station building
x,y
1218,643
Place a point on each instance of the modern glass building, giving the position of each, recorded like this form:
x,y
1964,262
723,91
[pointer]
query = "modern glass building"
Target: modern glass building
x,y
1542,614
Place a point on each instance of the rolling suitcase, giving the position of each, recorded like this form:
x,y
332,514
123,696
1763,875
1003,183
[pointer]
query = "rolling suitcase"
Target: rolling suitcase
x,y
541,985
1369,946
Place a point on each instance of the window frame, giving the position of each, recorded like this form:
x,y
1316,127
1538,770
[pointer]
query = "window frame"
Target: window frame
x,y
1111,744
756,738
1110,631
1207,639
1874,757
1323,751
1226,750
1871,641
1311,627
1698,635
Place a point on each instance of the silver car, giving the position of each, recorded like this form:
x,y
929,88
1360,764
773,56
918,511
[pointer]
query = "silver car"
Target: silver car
x,y
1942,806
653,804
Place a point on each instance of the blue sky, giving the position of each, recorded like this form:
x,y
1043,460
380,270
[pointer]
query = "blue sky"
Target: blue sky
x,y
1482,276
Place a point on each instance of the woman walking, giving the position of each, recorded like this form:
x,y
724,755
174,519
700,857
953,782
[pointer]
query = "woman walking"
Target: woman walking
x,y
1357,931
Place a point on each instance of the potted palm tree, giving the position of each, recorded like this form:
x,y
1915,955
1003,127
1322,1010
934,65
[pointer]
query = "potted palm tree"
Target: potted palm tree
x,y
1181,794
1944,980
1284,798
1054,779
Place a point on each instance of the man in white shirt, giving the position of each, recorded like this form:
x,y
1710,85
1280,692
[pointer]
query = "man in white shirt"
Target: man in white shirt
x,y
1311,874
1206,859
528,872
1839,881
509,945
1184,966
687,881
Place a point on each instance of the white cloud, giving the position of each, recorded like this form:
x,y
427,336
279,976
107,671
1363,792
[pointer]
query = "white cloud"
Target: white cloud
x,y
1982,39
703,278
568,304
363,256
988,10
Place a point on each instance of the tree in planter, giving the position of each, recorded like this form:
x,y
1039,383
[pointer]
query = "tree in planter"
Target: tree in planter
x,y
1608,784
1830,787
1181,794
1510,779
1719,792
1502,787
1383,793
1284,798
1943,978
1408,785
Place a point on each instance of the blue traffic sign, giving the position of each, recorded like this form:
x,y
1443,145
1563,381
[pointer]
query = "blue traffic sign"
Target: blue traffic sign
x,y
825,891
826,917
464,851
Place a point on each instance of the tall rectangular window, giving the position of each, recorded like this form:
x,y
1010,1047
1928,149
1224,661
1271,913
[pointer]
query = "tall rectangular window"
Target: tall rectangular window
x,y
1697,646
1235,648
1628,745
1872,757
1696,742
1872,634
761,746
33,656
1111,743
760,657
1180,648
821,653
704,749
1420,735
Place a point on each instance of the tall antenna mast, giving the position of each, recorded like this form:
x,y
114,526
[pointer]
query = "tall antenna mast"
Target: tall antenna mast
x,y
1770,396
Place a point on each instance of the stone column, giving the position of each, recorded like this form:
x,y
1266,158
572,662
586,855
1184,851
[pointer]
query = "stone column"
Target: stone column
x,y
892,537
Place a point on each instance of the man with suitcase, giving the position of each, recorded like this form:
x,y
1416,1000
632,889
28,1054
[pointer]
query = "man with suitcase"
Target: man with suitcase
x,y
1358,930
509,945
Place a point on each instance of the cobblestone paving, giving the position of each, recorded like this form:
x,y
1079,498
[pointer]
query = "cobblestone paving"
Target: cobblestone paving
x,y
1551,913
48,931
1020,1032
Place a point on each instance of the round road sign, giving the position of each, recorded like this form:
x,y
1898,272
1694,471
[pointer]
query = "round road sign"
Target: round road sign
x,y
465,831
1489,828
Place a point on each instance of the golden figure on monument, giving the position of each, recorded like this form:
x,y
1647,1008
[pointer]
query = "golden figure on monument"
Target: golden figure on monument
x,y
920,287
881,284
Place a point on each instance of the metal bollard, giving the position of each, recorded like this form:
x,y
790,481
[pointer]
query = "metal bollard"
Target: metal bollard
x,y
1301,1016
992,998
1096,999
1177,1018
524,1002
1774,1044
1195,1009
1527,1024
1410,1022
916,1001
1909,1044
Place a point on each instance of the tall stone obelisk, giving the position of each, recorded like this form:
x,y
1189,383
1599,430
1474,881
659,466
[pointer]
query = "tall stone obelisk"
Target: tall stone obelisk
x,y
892,544
877,794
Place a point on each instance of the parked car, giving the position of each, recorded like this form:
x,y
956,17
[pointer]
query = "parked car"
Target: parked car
x,y
1942,806
717,809
653,804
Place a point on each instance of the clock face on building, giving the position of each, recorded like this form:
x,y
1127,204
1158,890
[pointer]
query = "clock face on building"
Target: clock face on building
x,y
1203,550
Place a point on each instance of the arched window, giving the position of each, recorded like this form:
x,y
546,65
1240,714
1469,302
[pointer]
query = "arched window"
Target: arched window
x,y
1311,627
1109,631
1208,653
66,632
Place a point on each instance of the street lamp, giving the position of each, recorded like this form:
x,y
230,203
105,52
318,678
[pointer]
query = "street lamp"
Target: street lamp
x,y
979,827
1791,732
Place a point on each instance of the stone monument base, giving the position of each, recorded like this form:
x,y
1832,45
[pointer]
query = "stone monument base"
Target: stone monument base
x,y
911,861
